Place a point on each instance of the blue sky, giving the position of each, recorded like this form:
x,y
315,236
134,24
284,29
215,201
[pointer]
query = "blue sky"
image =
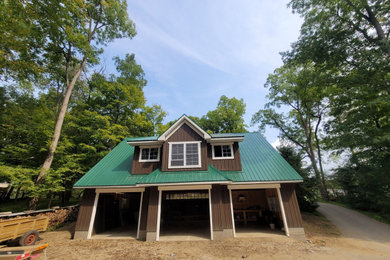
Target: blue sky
x,y
193,52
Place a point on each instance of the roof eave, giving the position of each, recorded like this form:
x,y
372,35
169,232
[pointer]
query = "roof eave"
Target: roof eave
x,y
145,143
225,140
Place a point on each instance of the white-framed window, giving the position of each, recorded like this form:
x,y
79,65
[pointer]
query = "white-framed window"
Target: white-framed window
x,y
222,151
184,155
149,154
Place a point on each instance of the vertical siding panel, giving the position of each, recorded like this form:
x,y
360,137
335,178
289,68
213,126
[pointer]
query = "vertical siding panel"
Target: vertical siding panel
x,y
184,134
225,164
144,210
290,202
151,224
143,167
85,212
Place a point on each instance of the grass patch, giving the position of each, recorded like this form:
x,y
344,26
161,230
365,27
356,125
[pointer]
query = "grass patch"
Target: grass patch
x,y
375,215
22,205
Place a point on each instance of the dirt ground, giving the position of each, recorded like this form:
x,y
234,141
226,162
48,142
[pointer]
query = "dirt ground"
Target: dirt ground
x,y
323,242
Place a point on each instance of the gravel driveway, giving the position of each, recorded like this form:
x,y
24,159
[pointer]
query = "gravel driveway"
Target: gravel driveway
x,y
352,224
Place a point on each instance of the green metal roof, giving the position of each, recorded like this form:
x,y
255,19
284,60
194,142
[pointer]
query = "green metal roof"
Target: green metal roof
x,y
260,162
145,138
158,176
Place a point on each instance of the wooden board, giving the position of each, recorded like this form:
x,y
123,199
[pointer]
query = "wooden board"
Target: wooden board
x,y
14,228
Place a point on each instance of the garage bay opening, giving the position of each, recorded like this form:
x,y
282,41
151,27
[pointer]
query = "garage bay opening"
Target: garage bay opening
x,y
256,211
185,215
117,215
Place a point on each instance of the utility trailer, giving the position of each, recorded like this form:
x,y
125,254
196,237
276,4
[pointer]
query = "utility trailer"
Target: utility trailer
x,y
25,229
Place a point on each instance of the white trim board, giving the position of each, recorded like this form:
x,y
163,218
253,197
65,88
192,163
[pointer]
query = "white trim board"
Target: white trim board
x,y
120,190
184,120
186,187
253,186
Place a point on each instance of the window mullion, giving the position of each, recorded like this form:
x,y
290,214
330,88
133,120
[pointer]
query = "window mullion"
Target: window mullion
x,y
185,154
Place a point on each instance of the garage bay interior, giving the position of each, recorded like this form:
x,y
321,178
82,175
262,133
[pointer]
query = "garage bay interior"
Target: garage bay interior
x,y
117,215
185,213
256,210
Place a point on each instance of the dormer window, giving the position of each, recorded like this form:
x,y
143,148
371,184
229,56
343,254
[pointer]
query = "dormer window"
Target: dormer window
x,y
149,154
224,151
184,155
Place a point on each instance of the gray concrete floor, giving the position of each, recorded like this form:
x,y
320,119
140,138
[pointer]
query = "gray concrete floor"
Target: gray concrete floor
x,y
126,232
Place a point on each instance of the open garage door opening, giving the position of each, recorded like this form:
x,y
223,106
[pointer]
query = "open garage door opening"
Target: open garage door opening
x,y
117,215
185,215
256,211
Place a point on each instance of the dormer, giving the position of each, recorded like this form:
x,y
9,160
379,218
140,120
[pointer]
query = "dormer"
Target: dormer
x,y
186,147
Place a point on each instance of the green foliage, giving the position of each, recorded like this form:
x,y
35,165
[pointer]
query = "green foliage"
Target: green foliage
x,y
104,110
306,191
347,45
301,90
226,118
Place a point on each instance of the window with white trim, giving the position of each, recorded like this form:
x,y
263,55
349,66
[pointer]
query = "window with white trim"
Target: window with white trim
x,y
149,154
224,151
184,155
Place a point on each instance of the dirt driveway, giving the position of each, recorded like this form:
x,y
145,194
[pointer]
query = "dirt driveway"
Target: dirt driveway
x,y
324,242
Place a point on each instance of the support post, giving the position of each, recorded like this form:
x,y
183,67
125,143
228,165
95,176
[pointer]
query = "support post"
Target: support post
x,y
283,212
92,222
211,217
231,209
158,215
139,213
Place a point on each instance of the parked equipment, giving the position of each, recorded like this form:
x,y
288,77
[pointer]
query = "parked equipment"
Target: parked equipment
x,y
25,229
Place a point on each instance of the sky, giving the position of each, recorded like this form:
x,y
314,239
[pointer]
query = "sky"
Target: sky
x,y
193,52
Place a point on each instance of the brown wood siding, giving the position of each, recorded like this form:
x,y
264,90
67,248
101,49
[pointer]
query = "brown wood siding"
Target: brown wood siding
x,y
144,210
291,207
185,134
85,211
225,164
220,206
138,167
151,223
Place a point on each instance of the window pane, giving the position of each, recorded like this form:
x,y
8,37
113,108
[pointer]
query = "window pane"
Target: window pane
x,y
226,152
217,151
145,154
192,154
177,155
153,154
177,163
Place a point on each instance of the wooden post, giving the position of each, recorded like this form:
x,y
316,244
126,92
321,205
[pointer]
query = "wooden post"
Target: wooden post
x,y
139,213
211,217
231,208
283,213
158,215
93,215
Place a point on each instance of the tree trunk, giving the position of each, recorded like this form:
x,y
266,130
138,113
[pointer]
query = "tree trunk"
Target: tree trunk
x,y
17,193
7,197
57,132
50,200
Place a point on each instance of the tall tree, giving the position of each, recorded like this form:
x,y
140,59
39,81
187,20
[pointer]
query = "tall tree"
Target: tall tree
x,y
75,33
302,92
226,118
306,191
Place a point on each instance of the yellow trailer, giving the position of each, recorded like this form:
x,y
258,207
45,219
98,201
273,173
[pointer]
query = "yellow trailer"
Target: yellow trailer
x,y
25,229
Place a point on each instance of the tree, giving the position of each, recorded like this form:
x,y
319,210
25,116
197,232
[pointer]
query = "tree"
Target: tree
x,y
226,118
306,194
75,32
349,42
21,40
302,91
